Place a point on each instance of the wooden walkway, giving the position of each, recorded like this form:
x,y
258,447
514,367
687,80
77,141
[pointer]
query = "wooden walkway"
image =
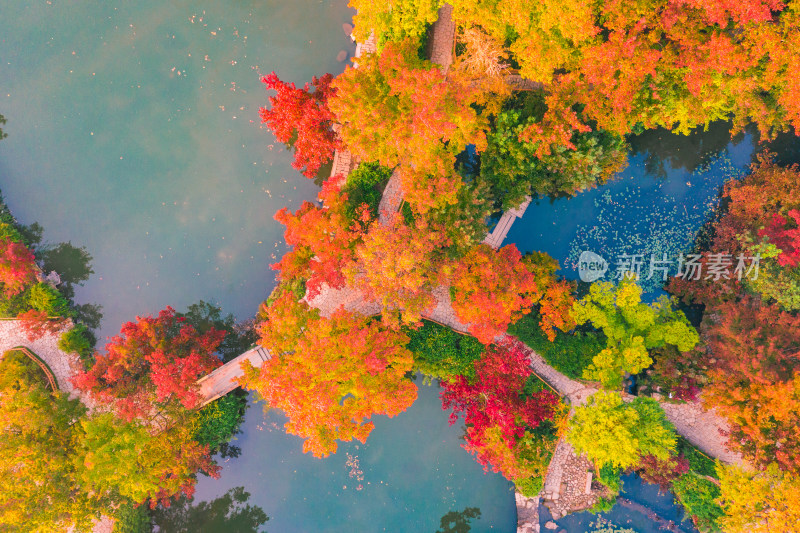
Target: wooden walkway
x,y
498,235
224,379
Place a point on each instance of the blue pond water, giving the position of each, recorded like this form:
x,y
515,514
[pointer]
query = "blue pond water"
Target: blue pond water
x,y
410,473
655,206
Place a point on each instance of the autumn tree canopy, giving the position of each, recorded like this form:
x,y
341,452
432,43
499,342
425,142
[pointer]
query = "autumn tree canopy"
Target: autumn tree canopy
x,y
492,289
612,432
17,266
756,222
40,486
151,367
400,110
631,327
759,501
330,375
495,409
323,240
755,379
301,118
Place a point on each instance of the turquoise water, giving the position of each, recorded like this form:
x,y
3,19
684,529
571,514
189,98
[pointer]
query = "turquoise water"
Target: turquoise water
x,y
411,472
133,131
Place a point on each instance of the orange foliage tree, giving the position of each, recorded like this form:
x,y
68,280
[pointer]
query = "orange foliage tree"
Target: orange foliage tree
x,y
330,375
671,63
755,379
323,240
398,109
492,289
398,265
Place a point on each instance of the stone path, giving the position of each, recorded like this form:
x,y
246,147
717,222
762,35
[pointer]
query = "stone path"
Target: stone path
x,y
392,198
63,365
568,485
443,35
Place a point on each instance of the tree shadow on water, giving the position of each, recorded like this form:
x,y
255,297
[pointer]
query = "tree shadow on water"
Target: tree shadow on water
x,y
230,513
458,521
689,152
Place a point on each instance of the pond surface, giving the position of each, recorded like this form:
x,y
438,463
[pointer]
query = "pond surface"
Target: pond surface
x,y
411,472
133,130
656,206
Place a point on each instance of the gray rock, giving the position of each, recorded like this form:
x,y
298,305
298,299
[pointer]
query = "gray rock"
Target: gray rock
x,y
551,525
347,28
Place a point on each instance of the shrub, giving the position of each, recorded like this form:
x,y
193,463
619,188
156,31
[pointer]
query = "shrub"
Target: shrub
x,y
43,297
365,186
132,519
219,421
698,496
77,340
698,463
529,487
441,353
569,353
662,473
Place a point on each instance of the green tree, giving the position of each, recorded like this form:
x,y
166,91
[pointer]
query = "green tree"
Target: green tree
x,y
40,488
699,497
516,165
612,432
631,328
441,353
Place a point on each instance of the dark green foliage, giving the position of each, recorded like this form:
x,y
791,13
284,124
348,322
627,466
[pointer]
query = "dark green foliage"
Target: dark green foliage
x,y
219,421
11,306
77,340
569,353
513,170
3,135
131,519
441,353
43,297
610,477
459,521
238,338
365,186
698,495
230,513
698,463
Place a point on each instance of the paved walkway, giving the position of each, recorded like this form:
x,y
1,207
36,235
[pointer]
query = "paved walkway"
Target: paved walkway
x,y
443,35
63,365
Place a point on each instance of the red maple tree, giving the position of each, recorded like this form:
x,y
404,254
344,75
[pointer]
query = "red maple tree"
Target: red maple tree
x,y
36,324
785,237
301,117
17,266
152,367
495,399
